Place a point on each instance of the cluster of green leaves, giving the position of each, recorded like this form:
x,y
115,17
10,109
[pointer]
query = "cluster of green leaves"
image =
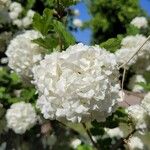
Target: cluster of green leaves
x,y
110,18
52,27
146,85
113,121
112,44
84,147
10,85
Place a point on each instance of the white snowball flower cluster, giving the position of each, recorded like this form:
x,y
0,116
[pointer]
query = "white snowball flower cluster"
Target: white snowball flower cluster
x,y
78,85
23,54
16,9
130,45
133,83
21,117
26,21
115,132
78,23
135,143
75,143
139,116
146,103
140,22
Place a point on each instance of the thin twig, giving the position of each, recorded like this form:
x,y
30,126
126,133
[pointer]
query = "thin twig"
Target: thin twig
x,y
135,53
123,78
122,85
90,136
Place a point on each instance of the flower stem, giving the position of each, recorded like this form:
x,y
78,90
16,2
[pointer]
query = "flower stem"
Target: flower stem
x,y
90,136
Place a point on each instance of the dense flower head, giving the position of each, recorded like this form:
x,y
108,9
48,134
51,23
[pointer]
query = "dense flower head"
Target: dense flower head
x,y
78,23
140,22
21,117
135,143
78,85
146,103
139,117
23,54
26,21
129,45
15,9
115,132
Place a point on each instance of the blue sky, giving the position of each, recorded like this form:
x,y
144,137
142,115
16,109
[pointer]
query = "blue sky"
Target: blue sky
x,y
84,35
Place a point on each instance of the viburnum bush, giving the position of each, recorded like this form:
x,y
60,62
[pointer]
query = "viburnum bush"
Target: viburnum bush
x,y
58,93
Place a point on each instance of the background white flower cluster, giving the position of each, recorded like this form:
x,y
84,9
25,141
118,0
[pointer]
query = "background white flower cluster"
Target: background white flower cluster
x,y
140,22
129,45
21,117
140,114
23,54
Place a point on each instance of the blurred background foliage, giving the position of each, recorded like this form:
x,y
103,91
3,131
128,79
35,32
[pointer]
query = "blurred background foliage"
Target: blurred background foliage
x,y
110,18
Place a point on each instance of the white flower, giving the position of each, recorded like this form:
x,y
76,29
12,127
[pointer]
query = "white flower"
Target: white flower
x,y
78,23
133,83
135,143
139,116
75,143
26,21
23,54
122,56
146,103
130,45
115,132
4,60
79,84
140,22
21,117
30,13
17,22
15,9
76,12
133,41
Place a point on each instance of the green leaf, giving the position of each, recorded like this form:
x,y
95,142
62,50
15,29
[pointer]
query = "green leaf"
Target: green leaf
x,y
30,4
43,23
15,78
27,95
65,35
67,3
120,112
48,43
146,86
112,44
132,30
84,147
